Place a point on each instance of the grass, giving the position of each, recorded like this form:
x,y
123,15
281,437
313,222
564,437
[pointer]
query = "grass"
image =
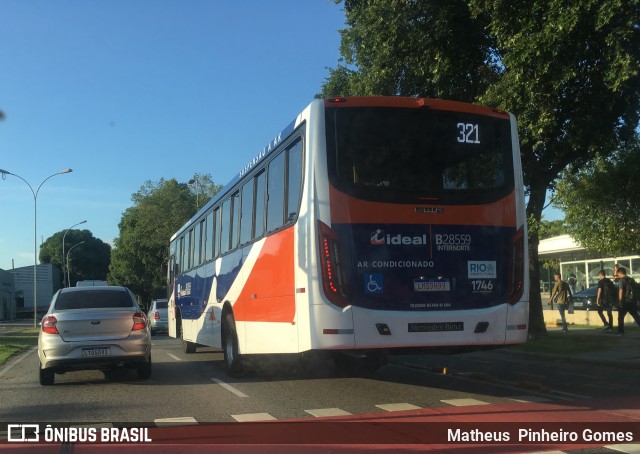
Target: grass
x,y
17,341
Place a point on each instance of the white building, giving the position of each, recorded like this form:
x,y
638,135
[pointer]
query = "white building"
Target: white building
x,y
48,282
7,296
583,264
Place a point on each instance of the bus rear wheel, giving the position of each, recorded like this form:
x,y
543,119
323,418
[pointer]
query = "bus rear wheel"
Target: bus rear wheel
x,y
232,357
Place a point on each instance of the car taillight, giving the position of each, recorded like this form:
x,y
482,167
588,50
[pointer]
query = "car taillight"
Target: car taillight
x,y
156,315
516,268
49,325
333,280
139,321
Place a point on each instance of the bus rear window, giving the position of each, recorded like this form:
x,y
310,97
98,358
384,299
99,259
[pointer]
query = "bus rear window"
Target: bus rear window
x,y
413,155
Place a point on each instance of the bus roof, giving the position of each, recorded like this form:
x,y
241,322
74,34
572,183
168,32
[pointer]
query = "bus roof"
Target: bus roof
x,y
355,101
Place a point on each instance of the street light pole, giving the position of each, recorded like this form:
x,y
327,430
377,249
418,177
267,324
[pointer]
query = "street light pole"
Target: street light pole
x,y
64,275
197,183
68,271
35,235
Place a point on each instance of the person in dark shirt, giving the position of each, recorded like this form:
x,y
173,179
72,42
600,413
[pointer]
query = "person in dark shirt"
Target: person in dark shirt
x,y
627,306
605,299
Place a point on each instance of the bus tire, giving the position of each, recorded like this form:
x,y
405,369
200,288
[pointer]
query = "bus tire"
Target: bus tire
x,y
232,357
188,347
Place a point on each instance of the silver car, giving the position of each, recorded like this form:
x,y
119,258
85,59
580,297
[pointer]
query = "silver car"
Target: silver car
x,y
158,316
93,328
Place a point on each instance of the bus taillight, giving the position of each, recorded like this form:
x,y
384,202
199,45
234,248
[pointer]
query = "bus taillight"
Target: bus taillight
x,y
516,268
333,281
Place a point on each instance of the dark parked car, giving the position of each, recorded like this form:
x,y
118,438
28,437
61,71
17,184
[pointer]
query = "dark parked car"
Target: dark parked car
x,y
93,328
586,299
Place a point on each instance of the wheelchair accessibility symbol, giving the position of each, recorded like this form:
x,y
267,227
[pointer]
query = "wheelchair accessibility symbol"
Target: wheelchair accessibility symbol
x,y
373,283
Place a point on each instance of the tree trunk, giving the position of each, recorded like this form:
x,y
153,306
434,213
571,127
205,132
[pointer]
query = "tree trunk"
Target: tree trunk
x,y
537,327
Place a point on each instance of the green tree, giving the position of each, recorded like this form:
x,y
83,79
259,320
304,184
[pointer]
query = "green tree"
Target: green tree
x,y
401,47
601,202
89,260
140,251
549,229
569,71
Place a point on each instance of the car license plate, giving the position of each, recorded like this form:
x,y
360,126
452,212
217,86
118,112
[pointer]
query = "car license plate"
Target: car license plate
x,y
431,285
96,352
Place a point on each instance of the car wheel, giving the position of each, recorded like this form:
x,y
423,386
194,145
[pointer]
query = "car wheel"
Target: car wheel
x,y
233,360
144,370
47,377
153,332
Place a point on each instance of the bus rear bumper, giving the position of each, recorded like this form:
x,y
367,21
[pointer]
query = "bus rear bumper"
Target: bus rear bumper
x,y
358,328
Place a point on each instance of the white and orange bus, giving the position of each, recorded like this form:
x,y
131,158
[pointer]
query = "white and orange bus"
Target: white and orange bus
x,y
368,224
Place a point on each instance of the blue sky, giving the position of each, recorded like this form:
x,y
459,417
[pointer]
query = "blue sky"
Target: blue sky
x,y
126,91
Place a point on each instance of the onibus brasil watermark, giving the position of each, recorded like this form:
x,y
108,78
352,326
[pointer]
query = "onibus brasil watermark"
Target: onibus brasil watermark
x,y
35,433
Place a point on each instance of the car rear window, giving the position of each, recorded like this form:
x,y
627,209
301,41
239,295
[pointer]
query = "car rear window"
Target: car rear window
x,y
94,299
162,304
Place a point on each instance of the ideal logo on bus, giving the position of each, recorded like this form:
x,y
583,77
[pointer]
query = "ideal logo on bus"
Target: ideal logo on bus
x,y
378,238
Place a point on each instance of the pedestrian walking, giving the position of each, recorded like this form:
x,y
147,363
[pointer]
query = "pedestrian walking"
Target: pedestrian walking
x,y
561,294
628,304
605,299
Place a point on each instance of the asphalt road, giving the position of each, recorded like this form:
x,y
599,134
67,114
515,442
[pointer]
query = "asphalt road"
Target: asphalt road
x,y
195,387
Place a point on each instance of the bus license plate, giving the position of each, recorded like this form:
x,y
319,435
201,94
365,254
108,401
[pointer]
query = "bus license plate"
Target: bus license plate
x,y
96,352
431,285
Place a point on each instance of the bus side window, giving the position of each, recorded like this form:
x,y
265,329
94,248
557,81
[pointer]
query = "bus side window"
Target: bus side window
x,y
225,227
294,180
215,244
189,247
275,193
183,255
235,220
259,205
209,247
246,217
172,263
197,244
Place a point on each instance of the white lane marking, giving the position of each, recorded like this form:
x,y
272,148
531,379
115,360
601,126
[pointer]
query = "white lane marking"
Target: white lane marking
x,y
248,417
229,387
464,402
397,407
17,360
174,357
180,421
322,412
